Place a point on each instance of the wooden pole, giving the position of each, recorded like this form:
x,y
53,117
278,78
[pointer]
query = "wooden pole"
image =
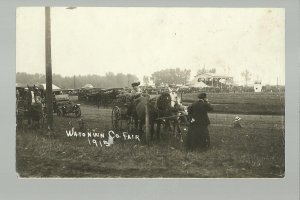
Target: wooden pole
x,y
181,97
49,97
147,122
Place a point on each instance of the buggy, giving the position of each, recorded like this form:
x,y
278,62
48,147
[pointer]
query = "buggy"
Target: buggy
x,y
121,112
29,105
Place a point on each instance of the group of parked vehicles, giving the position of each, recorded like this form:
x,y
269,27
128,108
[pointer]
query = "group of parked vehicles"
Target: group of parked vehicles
x,y
31,104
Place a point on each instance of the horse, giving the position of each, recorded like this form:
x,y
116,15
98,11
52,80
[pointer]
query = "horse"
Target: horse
x,y
33,106
159,107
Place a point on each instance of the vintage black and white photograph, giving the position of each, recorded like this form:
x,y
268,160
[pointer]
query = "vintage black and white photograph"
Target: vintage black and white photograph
x,y
150,92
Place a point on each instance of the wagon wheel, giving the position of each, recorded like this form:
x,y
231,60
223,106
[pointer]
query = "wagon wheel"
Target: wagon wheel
x,y
130,124
183,127
115,117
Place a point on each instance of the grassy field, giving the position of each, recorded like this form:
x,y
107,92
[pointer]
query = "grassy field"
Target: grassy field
x,y
243,103
238,103
256,150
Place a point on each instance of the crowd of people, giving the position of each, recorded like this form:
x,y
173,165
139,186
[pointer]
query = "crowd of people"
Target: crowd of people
x,y
198,134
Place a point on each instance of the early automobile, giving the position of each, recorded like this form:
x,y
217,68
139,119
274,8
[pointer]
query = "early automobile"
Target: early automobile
x,y
63,106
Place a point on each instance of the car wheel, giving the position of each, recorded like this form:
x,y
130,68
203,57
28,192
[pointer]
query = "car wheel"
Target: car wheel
x,y
59,112
78,112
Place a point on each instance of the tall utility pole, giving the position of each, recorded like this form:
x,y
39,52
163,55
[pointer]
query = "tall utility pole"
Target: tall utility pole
x,y
49,97
74,83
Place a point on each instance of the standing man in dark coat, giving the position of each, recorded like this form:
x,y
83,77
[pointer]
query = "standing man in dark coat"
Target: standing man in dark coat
x,y
198,134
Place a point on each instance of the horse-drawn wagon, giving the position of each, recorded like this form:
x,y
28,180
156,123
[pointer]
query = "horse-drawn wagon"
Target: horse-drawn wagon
x,y
29,105
143,110
121,111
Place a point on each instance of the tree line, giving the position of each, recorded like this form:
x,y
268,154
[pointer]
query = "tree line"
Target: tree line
x,y
170,76
109,80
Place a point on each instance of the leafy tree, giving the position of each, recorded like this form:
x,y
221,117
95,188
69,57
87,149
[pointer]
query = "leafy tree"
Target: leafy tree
x,y
213,70
171,76
130,79
204,70
186,73
108,81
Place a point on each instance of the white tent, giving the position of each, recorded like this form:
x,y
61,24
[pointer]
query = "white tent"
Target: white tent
x,y
184,87
222,81
54,87
21,85
200,85
197,84
87,86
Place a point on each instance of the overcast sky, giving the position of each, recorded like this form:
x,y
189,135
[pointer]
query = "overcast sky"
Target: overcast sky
x,y
143,40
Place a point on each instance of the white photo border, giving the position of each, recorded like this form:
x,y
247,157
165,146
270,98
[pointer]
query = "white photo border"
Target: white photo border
x,y
13,188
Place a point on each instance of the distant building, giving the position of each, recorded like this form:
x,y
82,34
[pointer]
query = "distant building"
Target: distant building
x,y
257,86
214,80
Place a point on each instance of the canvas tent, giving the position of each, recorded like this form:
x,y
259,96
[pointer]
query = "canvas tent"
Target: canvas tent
x,y
54,87
87,86
197,84
200,85
21,85
184,87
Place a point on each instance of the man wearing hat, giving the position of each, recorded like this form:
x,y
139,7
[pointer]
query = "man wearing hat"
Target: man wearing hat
x,y
134,97
198,134
136,91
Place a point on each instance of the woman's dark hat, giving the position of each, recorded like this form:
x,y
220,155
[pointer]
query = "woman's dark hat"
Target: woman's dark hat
x,y
202,96
135,84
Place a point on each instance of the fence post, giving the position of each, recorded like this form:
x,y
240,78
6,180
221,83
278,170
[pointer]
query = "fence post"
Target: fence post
x,y
147,123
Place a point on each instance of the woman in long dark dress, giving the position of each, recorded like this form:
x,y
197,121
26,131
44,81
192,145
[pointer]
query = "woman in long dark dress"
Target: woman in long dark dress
x,y
198,134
